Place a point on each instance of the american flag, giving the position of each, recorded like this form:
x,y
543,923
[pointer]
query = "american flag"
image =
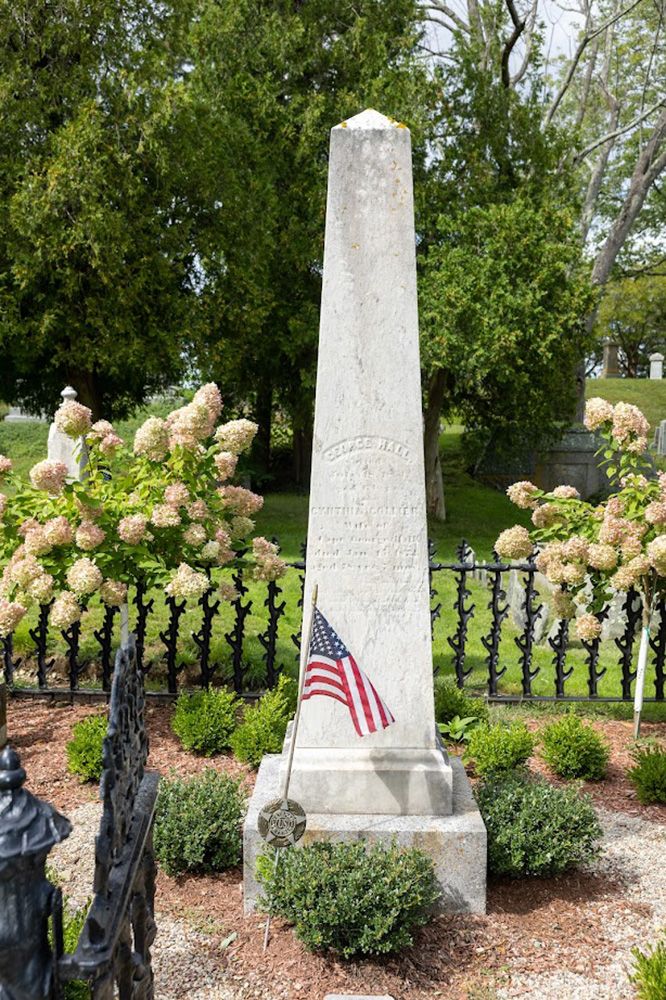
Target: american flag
x,y
332,671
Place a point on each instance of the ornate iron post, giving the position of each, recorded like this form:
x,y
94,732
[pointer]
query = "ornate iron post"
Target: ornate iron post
x,y
29,829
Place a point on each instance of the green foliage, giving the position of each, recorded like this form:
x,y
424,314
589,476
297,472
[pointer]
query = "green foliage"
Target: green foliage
x,y
451,701
648,775
73,920
458,730
84,750
274,78
355,899
574,750
205,720
505,282
198,823
535,828
496,749
264,725
97,267
649,972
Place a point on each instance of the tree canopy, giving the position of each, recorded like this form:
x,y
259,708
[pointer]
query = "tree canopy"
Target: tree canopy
x,y
97,259
632,314
274,79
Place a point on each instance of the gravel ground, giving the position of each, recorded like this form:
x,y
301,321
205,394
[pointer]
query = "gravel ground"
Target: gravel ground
x,y
634,851
186,962
192,960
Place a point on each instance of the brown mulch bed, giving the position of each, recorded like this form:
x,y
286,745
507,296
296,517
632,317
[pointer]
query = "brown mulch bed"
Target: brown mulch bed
x,y
615,793
531,925
537,925
40,729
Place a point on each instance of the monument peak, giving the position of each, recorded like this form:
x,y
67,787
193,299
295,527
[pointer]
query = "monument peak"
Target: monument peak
x,y
369,121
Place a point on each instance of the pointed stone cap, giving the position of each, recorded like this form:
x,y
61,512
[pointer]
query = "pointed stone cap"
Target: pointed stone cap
x,y
370,121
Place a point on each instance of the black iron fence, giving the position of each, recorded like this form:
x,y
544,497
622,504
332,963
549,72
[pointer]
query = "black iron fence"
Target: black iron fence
x,y
492,626
113,951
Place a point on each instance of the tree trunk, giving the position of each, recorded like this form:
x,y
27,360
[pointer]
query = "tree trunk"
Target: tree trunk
x,y
649,165
264,415
89,391
302,451
433,467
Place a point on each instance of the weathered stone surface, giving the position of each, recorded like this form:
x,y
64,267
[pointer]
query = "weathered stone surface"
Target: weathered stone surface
x,y
611,361
657,365
367,535
366,780
456,843
572,461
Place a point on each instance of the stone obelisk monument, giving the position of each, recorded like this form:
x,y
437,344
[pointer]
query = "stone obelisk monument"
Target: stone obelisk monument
x,y
367,535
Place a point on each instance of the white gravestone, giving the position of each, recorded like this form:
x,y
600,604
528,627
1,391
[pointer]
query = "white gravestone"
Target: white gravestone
x,y
656,366
367,532
62,448
367,538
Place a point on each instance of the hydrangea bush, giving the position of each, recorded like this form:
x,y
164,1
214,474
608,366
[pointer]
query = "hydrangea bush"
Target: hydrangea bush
x,y
591,550
160,513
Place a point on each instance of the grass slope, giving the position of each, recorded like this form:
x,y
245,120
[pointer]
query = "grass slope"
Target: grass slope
x,y
649,395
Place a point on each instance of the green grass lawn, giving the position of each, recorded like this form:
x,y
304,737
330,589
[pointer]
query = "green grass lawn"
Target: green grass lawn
x,y
24,441
649,395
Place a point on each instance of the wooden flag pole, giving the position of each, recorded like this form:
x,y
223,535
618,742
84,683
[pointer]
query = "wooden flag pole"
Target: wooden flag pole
x,y
640,674
305,649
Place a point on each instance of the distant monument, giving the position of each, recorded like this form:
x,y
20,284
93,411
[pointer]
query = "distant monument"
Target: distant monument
x,y
367,538
656,366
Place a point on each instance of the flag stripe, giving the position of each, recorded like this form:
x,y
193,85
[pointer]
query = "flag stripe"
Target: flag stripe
x,y
351,702
380,707
324,662
328,694
364,696
323,679
355,694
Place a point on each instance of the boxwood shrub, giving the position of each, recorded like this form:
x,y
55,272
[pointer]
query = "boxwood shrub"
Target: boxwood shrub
x,y
535,828
498,749
451,701
648,775
573,749
203,721
354,899
198,823
264,725
84,750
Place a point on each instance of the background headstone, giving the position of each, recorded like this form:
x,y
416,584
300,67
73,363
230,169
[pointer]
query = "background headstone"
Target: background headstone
x,y
62,448
611,365
17,415
656,366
